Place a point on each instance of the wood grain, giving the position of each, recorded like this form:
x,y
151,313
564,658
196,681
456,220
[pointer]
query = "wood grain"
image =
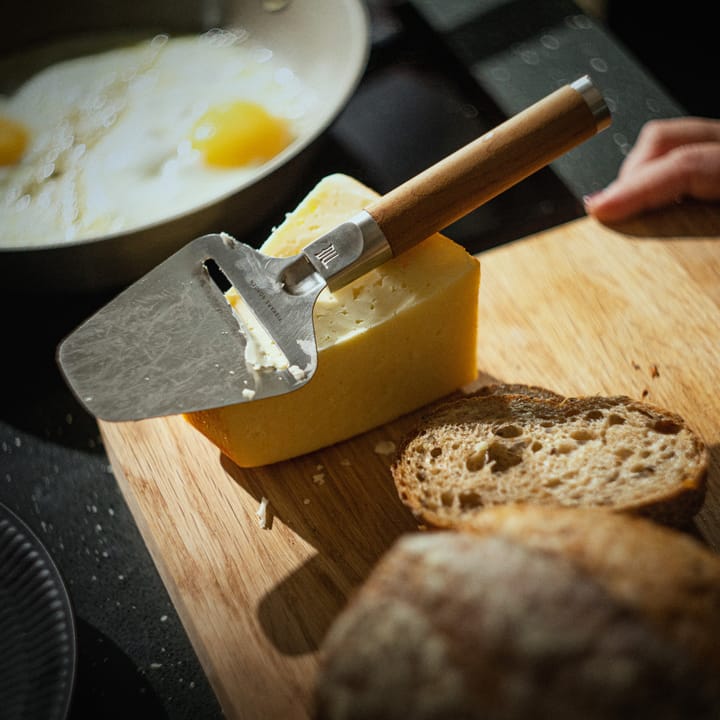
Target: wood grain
x,y
580,309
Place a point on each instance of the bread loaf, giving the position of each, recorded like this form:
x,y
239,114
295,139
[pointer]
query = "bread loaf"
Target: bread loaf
x,y
531,612
508,444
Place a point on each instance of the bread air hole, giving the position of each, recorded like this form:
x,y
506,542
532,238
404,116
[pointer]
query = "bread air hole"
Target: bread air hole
x,y
508,431
498,456
666,427
623,453
594,415
476,461
469,500
582,435
502,457
615,419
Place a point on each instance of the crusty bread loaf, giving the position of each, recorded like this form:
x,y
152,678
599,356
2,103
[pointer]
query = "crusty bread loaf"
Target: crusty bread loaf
x,y
531,445
531,612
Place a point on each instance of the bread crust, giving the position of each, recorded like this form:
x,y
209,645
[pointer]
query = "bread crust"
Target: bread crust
x,y
516,389
669,577
531,612
532,445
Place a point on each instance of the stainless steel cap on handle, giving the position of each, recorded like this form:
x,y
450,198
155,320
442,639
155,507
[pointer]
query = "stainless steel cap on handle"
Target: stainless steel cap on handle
x,y
349,251
594,99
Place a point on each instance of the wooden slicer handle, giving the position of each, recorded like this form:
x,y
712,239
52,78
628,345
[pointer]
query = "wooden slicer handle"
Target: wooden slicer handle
x,y
492,163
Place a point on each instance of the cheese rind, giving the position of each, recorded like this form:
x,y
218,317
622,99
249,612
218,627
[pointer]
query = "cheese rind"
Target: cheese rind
x,y
397,338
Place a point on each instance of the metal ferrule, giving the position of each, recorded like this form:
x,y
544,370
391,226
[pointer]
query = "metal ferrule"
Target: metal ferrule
x,y
594,100
349,251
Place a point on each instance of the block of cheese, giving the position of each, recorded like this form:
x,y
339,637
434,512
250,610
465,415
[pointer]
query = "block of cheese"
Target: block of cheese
x,y
401,336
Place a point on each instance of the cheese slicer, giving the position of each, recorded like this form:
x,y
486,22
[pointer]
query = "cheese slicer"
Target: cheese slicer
x,y
173,342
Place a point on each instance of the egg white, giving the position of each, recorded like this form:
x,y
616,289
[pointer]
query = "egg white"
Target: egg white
x,y
110,142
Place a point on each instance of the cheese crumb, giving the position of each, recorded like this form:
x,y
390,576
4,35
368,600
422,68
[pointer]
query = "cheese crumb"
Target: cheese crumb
x,y
319,479
261,513
297,372
248,394
385,447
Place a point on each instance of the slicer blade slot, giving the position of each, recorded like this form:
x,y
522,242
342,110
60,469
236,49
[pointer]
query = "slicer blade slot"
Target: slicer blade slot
x,y
216,274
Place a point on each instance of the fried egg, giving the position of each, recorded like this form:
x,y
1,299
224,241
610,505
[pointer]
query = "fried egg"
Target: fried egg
x,y
13,141
130,137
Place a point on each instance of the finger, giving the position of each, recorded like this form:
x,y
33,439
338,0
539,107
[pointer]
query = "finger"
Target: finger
x,y
658,137
688,171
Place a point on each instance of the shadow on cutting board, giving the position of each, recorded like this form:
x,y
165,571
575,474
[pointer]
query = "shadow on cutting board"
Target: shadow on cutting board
x,y
343,502
696,220
712,497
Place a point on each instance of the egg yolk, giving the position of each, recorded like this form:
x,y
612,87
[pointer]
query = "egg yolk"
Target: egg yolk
x,y
13,141
239,133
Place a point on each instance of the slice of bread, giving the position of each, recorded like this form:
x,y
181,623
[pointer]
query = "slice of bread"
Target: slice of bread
x,y
531,612
531,445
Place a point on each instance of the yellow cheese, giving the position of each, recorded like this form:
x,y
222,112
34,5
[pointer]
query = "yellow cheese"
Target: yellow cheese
x,y
397,338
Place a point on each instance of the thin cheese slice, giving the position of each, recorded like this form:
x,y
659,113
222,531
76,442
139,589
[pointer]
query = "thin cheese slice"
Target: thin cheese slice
x,y
392,341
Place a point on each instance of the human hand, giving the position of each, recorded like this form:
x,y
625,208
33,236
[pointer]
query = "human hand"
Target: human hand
x,y
671,160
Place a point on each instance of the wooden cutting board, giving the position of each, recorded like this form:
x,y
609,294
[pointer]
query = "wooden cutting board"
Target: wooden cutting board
x,y
579,309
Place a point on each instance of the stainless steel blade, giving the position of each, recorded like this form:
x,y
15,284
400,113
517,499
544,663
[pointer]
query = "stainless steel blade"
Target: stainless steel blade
x,y
170,343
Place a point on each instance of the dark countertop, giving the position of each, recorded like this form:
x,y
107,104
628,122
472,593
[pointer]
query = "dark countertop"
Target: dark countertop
x,y
489,60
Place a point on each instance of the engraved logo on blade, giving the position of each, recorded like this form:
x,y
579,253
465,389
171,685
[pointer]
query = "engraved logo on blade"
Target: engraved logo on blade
x,y
327,255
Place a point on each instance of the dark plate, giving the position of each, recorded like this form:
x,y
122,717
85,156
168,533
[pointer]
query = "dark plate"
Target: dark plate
x,y
37,631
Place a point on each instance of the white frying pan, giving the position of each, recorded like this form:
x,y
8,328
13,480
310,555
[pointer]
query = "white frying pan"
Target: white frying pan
x,y
326,42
